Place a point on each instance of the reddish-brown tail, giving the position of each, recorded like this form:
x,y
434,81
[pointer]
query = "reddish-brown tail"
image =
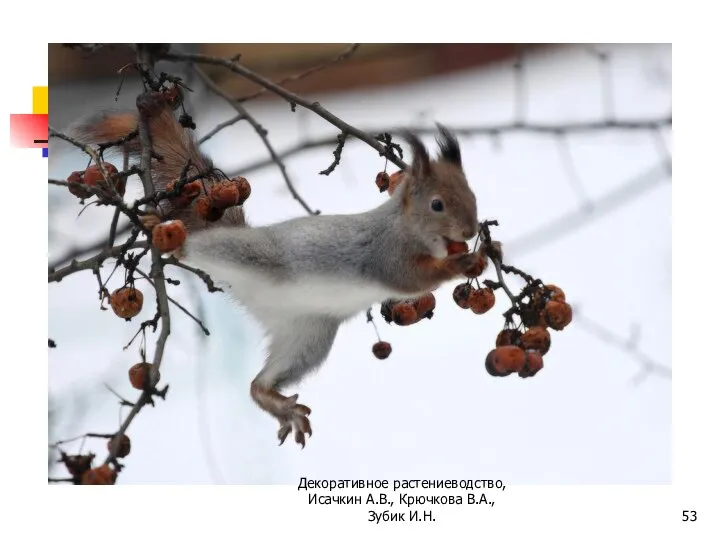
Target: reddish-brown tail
x,y
170,141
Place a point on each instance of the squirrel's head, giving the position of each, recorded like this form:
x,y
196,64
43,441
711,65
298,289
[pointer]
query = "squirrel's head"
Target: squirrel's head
x,y
437,195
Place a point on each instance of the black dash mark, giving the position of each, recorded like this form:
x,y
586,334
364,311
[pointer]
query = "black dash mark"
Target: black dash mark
x,y
39,141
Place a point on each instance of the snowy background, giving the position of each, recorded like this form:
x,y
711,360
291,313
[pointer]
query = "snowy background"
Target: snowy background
x,y
597,225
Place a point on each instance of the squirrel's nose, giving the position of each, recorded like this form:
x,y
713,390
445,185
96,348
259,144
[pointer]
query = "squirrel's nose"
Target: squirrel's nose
x,y
469,233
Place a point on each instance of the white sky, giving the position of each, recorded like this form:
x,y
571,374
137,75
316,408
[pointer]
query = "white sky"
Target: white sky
x,y
430,411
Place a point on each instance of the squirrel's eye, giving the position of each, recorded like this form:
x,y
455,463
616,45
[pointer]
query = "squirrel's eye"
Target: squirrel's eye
x,y
437,205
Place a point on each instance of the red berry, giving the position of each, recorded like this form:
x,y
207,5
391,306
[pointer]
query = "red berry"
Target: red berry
x,y
461,295
126,302
169,236
533,364
382,181
381,350
123,448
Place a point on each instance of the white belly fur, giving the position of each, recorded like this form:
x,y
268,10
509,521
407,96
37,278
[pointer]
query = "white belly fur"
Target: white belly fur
x,y
310,295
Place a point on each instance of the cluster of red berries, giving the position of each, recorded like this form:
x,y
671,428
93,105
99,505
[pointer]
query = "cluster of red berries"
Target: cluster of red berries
x,y
210,204
403,313
93,177
82,472
80,466
522,352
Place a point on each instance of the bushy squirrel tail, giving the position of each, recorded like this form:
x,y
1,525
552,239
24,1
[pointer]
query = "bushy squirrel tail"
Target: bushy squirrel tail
x,y
176,152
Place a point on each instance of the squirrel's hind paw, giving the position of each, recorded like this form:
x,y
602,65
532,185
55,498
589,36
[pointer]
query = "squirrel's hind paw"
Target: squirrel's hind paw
x,y
291,414
295,417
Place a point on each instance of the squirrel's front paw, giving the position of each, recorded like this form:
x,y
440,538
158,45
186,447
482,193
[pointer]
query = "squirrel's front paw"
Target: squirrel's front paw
x,y
460,263
294,416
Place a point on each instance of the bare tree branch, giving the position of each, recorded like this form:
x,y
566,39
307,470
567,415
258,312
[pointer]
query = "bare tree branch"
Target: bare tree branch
x,y
491,130
291,98
347,53
262,133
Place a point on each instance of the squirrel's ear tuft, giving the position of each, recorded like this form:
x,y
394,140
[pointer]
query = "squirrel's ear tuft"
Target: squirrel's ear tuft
x,y
449,146
421,159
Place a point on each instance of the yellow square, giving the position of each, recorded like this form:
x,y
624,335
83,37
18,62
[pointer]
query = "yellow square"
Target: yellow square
x,y
40,100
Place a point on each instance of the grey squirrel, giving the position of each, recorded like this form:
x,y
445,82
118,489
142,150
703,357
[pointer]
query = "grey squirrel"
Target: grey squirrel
x,y
304,277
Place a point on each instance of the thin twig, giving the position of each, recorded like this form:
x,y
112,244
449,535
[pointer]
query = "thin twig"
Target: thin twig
x,y
93,262
222,125
337,154
199,273
347,53
177,304
113,227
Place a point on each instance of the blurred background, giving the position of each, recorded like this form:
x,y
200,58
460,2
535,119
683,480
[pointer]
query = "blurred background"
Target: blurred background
x,y
569,147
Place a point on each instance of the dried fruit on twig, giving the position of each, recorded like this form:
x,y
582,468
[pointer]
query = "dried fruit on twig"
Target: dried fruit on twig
x,y
243,187
462,294
169,236
126,302
382,181
556,293
123,448
76,186
454,248
205,210
381,350
505,360
139,375
77,465
479,267
396,179
404,314
104,475
557,315
546,293
187,193
536,337
490,365
94,176
508,336
533,364
481,300
224,195
425,305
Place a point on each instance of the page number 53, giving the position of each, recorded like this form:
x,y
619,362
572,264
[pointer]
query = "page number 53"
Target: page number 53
x,y
689,515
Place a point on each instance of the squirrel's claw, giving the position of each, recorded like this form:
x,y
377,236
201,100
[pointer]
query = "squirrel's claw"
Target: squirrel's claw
x,y
296,419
